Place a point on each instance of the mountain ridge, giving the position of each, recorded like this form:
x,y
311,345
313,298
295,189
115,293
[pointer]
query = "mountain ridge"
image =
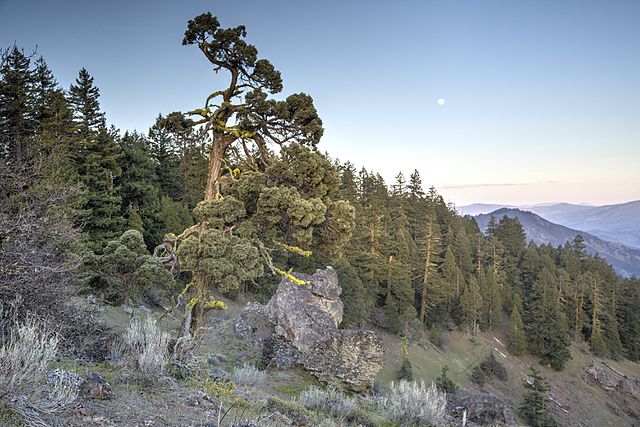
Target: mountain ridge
x,y
619,223
624,259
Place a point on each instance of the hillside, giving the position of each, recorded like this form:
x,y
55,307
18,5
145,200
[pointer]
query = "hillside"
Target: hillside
x,y
624,259
614,223
618,223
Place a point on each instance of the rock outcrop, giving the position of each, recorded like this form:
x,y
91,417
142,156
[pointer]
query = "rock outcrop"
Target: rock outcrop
x,y
624,390
299,325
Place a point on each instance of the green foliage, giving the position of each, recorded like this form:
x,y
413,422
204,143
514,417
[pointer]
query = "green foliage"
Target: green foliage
x,y
516,340
492,368
546,330
129,270
444,383
534,407
478,376
225,259
434,336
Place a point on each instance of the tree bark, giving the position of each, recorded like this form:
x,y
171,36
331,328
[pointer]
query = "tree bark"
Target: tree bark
x,y
216,156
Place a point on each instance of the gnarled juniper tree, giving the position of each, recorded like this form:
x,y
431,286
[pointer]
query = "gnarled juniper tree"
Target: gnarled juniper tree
x,y
255,201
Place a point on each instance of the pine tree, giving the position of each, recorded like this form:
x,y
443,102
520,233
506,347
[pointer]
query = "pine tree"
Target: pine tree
x,y
415,185
406,371
546,326
97,157
516,340
138,186
444,383
598,346
430,247
17,122
471,305
165,154
534,407
629,315
84,99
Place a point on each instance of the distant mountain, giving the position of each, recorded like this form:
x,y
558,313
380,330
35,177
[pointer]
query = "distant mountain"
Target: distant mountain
x,y
615,223
619,223
624,259
480,208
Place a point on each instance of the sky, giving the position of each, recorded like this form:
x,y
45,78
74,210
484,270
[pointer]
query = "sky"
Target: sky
x,y
541,97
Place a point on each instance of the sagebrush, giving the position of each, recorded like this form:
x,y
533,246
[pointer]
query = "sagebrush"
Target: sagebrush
x,y
413,403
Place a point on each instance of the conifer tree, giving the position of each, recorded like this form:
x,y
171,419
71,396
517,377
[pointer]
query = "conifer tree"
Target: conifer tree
x,y
85,104
546,326
138,186
471,305
17,122
165,154
516,340
430,247
97,161
534,407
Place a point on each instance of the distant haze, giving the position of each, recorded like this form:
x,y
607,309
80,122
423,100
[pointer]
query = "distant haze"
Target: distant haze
x,y
542,98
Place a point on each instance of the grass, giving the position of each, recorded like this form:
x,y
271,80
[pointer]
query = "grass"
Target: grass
x,y
589,405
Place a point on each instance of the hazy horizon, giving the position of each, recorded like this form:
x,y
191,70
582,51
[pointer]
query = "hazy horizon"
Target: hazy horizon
x,y
541,99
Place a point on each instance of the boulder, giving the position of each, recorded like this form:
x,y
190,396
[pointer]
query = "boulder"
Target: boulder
x,y
96,387
481,408
307,313
299,325
349,360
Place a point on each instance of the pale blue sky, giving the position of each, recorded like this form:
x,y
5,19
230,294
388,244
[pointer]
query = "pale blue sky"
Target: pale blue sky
x,y
542,96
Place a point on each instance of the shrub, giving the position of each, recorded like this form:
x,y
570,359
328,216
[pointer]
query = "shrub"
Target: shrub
x,y
492,367
434,336
25,356
248,375
406,371
413,403
149,347
328,401
444,383
478,376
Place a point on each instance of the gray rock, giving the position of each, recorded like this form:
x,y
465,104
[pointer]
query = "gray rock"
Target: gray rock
x,y
96,387
219,375
304,314
299,325
68,378
349,360
482,408
279,353
253,323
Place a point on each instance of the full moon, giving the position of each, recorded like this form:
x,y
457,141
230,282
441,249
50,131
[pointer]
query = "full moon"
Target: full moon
x,y
440,101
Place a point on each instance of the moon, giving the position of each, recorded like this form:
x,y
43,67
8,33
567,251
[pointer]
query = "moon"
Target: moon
x,y
440,101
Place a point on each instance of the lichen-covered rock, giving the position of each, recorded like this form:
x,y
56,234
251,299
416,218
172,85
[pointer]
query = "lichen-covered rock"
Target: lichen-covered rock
x,y
481,408
299,325
68,378
304,314
253,323
279,353
349,360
